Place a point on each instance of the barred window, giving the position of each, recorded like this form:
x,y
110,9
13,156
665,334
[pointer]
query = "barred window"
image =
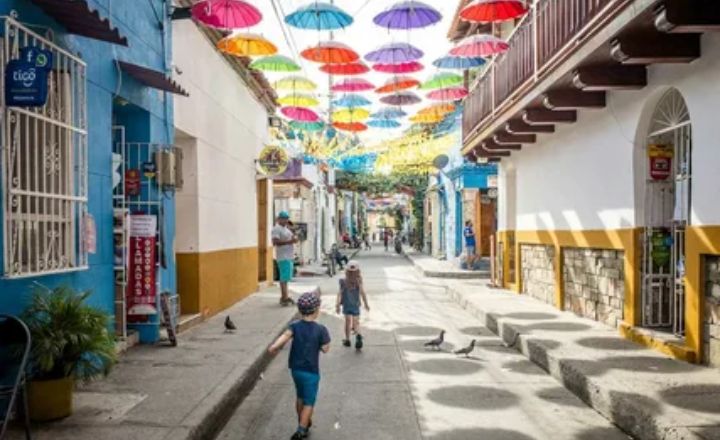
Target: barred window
x,y
44,166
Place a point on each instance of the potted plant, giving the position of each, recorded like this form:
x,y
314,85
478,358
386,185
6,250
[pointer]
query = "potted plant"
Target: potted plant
x,y
70,342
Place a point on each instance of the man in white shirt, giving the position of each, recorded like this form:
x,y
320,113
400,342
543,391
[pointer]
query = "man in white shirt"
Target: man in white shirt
x,y
283,239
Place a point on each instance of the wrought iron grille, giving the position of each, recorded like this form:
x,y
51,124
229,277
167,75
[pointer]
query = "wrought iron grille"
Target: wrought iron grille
x,y
44,165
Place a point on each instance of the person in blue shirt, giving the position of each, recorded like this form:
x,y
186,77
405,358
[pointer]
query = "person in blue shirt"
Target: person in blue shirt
x,y
470,248
308,339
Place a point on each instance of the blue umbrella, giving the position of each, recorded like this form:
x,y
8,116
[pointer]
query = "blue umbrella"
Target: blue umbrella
x,y
321,16
352,101
389,113
459,63
383,123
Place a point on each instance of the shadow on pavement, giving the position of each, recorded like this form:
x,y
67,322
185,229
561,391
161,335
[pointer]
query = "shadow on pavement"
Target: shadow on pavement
x,y
474,397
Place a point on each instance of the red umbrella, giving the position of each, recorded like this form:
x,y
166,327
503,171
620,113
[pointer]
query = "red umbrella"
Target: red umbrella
x,y
345,69
350,126
448,94
353,85
301,114
398,83
226,14
482,45
491,11
409,67
330,52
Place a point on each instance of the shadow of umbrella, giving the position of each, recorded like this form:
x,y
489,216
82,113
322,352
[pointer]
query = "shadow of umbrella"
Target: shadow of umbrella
x,y
474,397
480,434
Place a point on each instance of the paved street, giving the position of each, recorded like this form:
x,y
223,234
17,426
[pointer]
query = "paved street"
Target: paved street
x,y
395,389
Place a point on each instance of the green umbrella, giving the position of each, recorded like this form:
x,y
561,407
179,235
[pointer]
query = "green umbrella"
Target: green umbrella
x,y
442,80
275,63
307,126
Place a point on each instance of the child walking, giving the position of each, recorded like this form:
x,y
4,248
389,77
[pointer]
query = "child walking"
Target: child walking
x,y
308,339
351,292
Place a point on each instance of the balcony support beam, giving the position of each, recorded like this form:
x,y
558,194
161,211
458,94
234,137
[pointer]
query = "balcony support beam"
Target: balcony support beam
x,y
688,16
537,116
656,48
504,138
494,146
569,99
518,126
611,77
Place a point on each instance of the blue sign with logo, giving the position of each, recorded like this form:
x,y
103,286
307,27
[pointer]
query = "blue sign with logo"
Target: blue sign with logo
x,y
26,78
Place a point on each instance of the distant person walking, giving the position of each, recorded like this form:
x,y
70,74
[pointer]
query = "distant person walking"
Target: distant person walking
x,y
284,240
470,244
386,239
351,297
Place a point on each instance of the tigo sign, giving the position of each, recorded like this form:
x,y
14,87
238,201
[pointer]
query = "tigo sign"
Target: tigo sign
x,y
26,79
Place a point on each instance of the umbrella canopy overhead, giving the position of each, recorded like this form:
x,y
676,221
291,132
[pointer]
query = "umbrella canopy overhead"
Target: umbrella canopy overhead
x,y
330,52
401,98
437,109
395,53
352,127
350,115
226,14
247,45
320,16
384,123
492,11
458,63
482,45
307,126
409,67
389,113
410,14
275,63
352,101
353,85
345,69
294,83
448,94
442,80
427,119
397,84
300,114
298,100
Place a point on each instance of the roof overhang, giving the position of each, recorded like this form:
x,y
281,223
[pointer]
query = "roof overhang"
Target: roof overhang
x,y
152,78
77,17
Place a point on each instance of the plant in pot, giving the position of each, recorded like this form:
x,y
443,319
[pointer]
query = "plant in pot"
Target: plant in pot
x,y
70,342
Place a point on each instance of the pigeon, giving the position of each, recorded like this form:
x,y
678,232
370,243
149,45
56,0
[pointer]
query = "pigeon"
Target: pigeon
x,y
229,325
437,342
467,350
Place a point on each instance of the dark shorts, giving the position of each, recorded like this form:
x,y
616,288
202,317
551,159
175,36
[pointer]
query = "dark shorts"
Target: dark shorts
x,y
306,386
351,311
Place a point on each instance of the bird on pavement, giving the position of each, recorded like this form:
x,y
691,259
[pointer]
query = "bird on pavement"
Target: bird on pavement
x,y
437,342
229,325
467,350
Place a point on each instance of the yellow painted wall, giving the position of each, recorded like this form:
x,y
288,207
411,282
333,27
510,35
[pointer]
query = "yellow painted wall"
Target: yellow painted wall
x,y
699,241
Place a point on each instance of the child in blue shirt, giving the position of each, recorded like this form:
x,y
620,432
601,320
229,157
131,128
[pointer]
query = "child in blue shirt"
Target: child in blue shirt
x,y
350,296
308,339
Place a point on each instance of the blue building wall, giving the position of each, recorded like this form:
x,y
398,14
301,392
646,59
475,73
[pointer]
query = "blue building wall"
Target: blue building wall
x,y
146,25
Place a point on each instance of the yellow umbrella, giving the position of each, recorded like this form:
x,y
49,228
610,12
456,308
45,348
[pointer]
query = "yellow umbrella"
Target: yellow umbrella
x,y
350,115
294,83
427,118
298,100
437,109
246,45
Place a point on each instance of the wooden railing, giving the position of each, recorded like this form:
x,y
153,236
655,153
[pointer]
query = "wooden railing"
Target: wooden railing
x,y
544,36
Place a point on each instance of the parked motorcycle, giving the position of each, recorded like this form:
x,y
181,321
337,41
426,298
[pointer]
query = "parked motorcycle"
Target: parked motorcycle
x,y
398,245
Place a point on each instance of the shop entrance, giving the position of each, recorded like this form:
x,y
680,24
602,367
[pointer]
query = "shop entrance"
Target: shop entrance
x,y
667,203
262,219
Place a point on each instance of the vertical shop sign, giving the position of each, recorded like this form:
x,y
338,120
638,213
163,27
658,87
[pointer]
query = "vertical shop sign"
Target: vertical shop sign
x,y
142,290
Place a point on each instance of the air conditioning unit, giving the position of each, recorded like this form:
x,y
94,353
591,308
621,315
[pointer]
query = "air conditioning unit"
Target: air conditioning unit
x,y
169,168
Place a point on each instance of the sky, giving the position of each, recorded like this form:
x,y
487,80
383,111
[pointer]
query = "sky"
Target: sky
x,y
363,36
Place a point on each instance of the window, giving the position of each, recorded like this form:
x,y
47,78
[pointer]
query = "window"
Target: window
x,y
44,166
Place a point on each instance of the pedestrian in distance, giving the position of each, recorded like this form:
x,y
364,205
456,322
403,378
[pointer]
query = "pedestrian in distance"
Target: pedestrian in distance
x,y
284,240
340,259
350,298
470,245
386,239
309,338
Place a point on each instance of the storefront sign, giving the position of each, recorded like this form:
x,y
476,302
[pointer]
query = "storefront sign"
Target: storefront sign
x,y
149,169
26,78
142,290
273,161
661,157
492,181
132,182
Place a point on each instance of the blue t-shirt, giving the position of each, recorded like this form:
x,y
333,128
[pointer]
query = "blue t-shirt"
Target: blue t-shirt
x,y
308,338
469,236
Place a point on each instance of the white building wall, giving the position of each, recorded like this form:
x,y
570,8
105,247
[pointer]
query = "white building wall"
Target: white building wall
x,y
230,128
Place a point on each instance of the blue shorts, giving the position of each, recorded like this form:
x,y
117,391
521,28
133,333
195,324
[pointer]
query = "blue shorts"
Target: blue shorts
x,y
470,250
351,311
306,386
285,269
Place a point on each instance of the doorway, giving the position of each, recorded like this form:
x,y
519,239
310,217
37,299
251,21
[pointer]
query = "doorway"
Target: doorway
x,y
262,221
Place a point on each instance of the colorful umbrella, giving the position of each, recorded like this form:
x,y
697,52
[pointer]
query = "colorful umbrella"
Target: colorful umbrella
x,y
397,84
409,67
330,52
482,45
437,109
401,98
307,126
226,14
345,69
442,80
247,45
383,123
298,100
389,113
394,53
458,63
350,115
300,114
410,14
350,126
294,83
491,11
320,16
353,85
352,101
448,94
275,63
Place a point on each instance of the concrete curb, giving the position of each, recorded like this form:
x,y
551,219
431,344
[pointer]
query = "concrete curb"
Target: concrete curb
x,y
634,416
474,275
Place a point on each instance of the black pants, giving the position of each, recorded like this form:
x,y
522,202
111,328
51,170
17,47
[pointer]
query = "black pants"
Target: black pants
x,y
341,260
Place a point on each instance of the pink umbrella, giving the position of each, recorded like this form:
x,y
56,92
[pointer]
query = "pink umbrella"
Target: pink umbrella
x,y
226,14
448,94
409,67
353,85
300,114
482,45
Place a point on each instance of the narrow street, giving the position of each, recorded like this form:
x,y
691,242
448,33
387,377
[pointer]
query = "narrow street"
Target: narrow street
x,y
395,389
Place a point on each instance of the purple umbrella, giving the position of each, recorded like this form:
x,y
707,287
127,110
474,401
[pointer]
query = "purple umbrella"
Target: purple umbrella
x,y
395,53
410,14
402,98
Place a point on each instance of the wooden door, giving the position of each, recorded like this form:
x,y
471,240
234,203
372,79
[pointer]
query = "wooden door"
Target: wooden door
x,y
486,225
262,221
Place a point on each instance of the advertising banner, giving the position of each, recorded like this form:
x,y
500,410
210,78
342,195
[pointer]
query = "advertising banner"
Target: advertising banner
x,y
142,289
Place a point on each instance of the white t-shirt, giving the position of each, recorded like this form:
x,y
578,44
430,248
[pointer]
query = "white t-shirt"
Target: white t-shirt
x,y
284,252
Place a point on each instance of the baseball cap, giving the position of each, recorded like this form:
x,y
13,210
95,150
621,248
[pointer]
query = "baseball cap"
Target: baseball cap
x,y
284,215
353,266
308,303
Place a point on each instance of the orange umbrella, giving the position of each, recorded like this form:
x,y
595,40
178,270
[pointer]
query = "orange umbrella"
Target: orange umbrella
x,y
248,45
350,126
345,69
330,52
438,109
397,84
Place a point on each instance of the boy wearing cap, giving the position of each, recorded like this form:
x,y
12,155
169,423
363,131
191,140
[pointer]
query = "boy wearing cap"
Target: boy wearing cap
x,y
308,339
283,239
349,297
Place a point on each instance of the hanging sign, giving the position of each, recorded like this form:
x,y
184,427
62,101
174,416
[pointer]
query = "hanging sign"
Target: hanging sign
x,y
149,169
273,161
661,157
132,182
90,234
26,78
141,288
492,181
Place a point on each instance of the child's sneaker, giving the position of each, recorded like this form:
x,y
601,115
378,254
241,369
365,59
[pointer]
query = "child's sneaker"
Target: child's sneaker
x,y
358,342
299,436
346,342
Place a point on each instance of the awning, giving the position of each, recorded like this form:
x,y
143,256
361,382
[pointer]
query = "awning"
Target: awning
x,y
77,17
152,78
